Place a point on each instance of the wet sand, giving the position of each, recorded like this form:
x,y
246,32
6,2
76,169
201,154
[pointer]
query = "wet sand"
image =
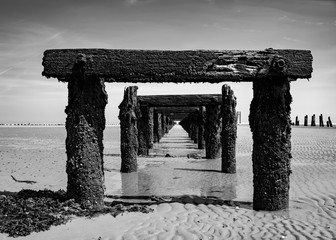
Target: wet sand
x,y
311,215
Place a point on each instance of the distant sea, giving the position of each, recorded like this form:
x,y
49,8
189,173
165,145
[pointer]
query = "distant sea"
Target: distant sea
x,y
44,137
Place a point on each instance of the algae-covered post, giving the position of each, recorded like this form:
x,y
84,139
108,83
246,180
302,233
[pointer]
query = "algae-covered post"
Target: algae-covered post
x,y
201,123
212,131
229,130
145,130
85,124
128,115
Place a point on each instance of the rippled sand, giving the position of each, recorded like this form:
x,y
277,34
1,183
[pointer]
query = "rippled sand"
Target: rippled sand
x,y
312,212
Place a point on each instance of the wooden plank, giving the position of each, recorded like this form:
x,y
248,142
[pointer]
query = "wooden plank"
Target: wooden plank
x,y
172,110
180,100
178,66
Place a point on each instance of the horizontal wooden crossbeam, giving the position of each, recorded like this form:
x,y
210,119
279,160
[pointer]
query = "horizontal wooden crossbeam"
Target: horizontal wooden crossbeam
x,y
177,66
171,110
180,100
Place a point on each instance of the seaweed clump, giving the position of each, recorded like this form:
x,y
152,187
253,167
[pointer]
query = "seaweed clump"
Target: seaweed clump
x,y
34,211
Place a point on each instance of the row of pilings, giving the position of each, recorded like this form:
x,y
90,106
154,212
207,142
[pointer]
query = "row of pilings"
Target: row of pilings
x,y
313,121
214,128
140,128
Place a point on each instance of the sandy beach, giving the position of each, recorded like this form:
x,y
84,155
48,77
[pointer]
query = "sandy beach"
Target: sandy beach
x,y
311,215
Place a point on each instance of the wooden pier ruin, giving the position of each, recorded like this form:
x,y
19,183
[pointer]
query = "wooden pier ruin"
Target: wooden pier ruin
x,y
270,70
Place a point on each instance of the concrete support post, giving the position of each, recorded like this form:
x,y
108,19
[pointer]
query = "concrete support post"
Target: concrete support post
x,y
85,124
271,127
212,132
229,130
128,115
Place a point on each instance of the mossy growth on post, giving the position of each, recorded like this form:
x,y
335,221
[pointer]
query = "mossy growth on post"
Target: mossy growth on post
x,y
128,116
85,124
271,127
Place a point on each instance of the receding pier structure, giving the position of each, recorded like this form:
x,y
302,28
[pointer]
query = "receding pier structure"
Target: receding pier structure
x,y
270,70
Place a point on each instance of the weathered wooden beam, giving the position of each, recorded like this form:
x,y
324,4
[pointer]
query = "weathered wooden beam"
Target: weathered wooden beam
x,y
179,66
128,115
271,128
195,100
173,110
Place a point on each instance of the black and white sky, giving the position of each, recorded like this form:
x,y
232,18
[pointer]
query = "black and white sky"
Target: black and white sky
x,y
28,28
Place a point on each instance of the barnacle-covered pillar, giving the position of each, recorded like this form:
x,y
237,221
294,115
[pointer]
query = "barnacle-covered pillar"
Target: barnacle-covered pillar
x,y
201,123
271,127
229,130
145,130
128,115
85,124
212,132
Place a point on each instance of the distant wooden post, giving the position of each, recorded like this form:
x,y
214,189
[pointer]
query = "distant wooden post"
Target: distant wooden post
x,y
297,122
128,115
212,132
330,122
321,121
195,126
201,123
157,118
166,130
313,123
270,124
306,120
145,130
238,117
85,124
229,130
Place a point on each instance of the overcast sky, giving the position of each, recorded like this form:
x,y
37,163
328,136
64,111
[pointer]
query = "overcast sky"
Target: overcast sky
x,y
28,28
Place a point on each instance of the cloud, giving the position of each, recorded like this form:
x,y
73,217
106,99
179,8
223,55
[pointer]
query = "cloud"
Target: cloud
x,y
6,70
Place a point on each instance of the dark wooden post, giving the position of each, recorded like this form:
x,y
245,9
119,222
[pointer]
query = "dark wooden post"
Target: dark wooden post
x,y
297,122
212,131
313,123
321,121
163,125
306,120
159,125
229,130
201,123
85,124
330,122
270,124
156,126
128,115
194,125
145,130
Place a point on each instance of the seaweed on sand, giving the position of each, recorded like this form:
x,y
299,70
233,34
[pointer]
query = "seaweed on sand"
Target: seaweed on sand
x,y
34,211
